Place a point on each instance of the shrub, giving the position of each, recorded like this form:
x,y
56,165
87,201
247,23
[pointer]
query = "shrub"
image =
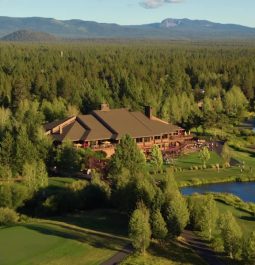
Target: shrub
x,y
246,132
251,139
77,185
196,181
13,195
8,216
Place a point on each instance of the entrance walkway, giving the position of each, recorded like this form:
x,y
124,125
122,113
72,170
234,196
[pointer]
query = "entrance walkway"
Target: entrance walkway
x,y
120,256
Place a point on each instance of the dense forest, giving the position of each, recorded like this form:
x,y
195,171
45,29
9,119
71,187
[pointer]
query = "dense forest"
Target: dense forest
x,y
43,82
135,74
195,85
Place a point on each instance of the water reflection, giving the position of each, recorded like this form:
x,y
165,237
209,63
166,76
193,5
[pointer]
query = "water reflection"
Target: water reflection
x,y
246,191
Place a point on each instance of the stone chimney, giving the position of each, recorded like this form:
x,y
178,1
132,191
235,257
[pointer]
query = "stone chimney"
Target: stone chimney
x,y
105,107
148,112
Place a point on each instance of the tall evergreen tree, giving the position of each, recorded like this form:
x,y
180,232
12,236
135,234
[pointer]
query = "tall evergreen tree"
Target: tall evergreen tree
x,y
176,215
139,228
231,234
127,155
158,225
156,159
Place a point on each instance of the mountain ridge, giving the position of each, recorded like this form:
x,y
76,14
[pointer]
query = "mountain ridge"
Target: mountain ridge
x,y
170,28
28,35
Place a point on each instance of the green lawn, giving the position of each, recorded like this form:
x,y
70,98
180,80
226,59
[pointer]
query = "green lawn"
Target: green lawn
x,y
186,177
186,161
60,182
58,243
197,177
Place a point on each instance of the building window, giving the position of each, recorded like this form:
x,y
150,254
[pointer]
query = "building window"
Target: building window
x,y
139,140
165,136
147,139
157,137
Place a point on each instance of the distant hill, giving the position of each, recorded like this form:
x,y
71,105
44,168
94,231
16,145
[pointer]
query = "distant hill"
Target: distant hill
x,y
175,29
27,35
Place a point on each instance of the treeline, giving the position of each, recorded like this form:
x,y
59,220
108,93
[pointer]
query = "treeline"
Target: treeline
x,y
172,78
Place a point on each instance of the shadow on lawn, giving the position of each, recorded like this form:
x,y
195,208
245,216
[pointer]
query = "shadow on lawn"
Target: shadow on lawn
x,y
248,218
175,252
241,150
94,239
106,221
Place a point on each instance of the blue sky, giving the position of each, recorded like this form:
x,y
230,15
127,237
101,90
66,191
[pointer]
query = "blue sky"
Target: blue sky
x,y
134,11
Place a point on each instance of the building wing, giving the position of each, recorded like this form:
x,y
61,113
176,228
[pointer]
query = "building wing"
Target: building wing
x,y
95,130
109,124
122,122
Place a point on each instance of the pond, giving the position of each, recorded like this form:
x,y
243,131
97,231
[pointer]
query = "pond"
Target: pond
x,y
245,190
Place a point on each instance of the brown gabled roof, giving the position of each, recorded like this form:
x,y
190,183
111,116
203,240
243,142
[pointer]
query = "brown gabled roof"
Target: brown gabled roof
x,y
51,125
82,128
122,122
96,130
108,124
156,125
136,124
60,137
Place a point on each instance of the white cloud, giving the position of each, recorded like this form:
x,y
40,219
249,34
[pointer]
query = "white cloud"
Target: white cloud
x,y
157,3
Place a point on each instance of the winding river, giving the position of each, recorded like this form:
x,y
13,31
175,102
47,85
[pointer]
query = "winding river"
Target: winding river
x,y
245,190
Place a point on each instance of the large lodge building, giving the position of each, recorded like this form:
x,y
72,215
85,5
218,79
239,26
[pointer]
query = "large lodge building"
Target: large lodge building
x,y
102,130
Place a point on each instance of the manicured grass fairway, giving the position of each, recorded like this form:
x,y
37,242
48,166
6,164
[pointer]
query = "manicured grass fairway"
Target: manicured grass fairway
x,y
209,174
188,177
56,243
59,182
193,159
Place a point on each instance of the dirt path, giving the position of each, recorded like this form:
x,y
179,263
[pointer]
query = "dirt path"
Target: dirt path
x,y
201,248
120,256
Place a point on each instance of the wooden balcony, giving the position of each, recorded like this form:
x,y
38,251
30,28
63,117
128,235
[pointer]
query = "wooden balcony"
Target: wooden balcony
x,y
172,143
109,149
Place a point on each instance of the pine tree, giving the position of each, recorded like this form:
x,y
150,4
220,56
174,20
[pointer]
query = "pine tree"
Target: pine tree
x,y
248,253
209,216
35,175
204,155
231,234
127,155
156,159
158,225
176,215
139,228
226,154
